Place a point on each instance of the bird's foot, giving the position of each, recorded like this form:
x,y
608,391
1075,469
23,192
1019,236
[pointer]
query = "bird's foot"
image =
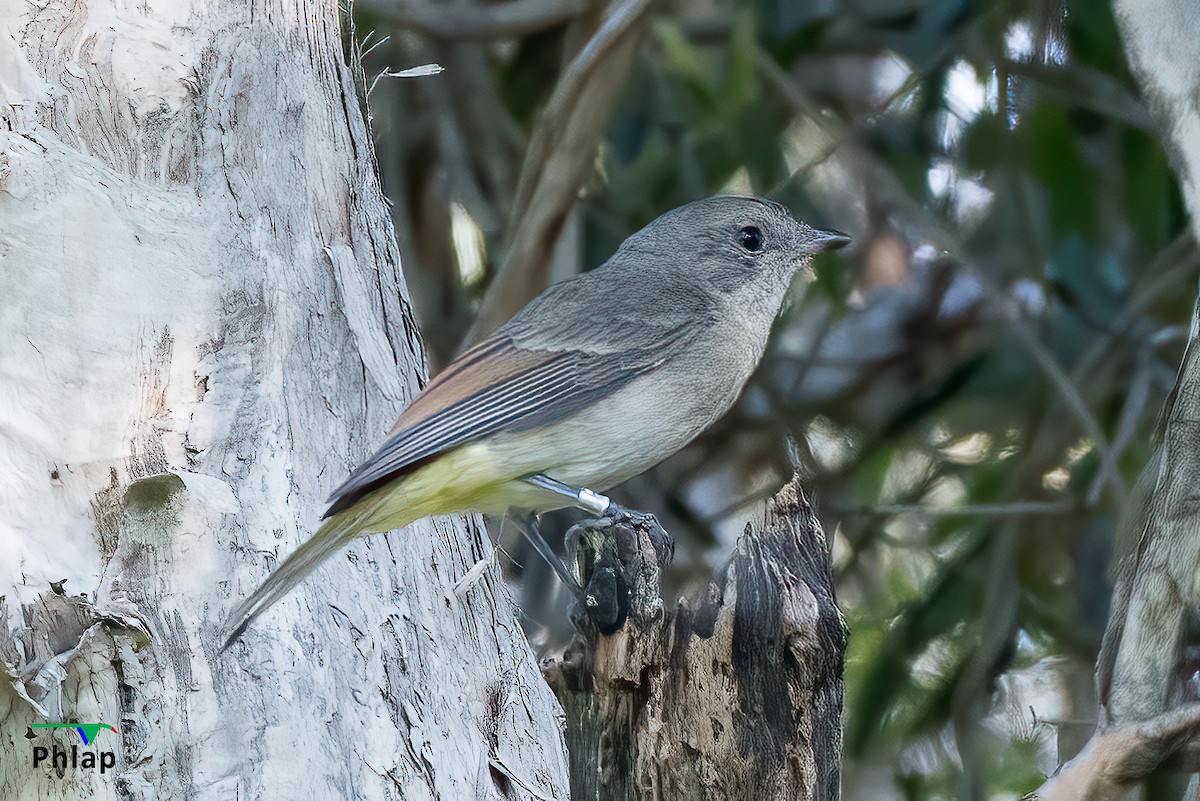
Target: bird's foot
x,y
618,557
528,526
644,524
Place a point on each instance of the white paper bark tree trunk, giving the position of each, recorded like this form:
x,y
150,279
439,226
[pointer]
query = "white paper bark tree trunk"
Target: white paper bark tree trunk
x,y
203,326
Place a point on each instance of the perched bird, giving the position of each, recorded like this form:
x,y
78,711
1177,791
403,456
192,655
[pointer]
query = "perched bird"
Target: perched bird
x,y
599,378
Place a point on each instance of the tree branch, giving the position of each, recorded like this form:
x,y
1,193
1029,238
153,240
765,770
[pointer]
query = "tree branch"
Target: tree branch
x,y
560,153
1117,757
511,20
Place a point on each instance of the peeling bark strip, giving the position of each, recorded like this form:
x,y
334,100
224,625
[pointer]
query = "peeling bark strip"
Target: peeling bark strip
x,y
203,326
735,695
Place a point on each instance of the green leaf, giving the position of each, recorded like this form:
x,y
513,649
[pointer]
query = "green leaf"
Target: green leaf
x,y
681,56
1056,162
1152,197
789,47
983,143
1094,37
741,78
832,279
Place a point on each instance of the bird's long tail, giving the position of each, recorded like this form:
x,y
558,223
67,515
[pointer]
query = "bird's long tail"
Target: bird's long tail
x,y
336,532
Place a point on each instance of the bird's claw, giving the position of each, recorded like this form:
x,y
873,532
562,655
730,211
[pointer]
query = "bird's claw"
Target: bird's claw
x,y
664,543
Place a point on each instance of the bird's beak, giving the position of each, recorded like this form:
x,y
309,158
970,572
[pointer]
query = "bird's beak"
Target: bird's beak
x,y
829,240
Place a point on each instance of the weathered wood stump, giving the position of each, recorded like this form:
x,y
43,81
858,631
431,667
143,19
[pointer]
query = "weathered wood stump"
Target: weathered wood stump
x,y
734,692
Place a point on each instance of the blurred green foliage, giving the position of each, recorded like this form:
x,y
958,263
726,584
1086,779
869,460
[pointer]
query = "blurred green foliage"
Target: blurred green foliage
x,y
972,388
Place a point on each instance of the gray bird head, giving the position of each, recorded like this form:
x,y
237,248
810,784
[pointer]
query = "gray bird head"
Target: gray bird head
x,y
744,248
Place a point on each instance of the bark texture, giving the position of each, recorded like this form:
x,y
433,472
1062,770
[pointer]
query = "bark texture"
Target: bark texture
x,y
1149,715
735,693
203,326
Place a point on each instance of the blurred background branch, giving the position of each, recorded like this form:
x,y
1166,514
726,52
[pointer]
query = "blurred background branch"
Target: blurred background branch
x,y
561,151
458,21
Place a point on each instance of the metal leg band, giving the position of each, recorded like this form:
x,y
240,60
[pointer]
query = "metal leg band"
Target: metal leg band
x,y
580,496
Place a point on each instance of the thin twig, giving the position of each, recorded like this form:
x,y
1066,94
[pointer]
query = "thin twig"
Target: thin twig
x,y
1070,394
1085,87
1131,413
481,21
1014,509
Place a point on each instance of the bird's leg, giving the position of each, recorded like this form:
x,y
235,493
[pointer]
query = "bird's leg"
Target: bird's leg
x,y
594,502
580,497
528,527
610,555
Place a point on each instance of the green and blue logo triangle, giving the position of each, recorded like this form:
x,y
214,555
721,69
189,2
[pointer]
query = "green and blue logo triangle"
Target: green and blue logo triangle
x,y
87,731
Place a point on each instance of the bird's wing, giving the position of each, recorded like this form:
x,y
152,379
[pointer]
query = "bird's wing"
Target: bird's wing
x,y
542,366
517,379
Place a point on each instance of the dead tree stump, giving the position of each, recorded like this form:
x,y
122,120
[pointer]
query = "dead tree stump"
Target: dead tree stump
x,y
734,693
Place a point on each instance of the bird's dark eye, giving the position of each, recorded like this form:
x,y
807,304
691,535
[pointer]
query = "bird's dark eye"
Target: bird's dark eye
x,y
751,239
